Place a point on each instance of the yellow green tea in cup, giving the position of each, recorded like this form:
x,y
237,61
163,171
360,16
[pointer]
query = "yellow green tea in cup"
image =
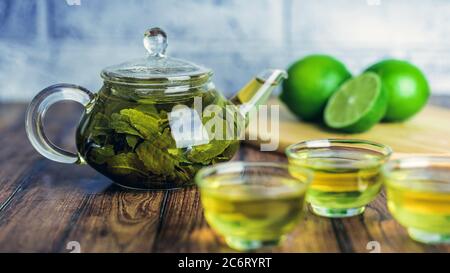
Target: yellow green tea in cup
x,y
253,205
347,173
418,194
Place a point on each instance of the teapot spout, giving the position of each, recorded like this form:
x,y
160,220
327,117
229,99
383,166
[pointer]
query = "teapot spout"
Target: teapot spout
x,y
258,90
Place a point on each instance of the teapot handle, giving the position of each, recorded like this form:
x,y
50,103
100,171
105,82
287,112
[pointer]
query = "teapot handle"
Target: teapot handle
x,y
36,113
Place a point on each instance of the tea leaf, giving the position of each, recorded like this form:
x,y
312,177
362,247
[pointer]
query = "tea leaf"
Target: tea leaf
x,y
185,173
164,119
101,154
204,153
165,140
121,124
100,125
155,159
146,125
175,152
126,163
219,143
132,141
180,155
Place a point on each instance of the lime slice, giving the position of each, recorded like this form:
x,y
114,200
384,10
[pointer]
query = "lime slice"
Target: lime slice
x,y
359,104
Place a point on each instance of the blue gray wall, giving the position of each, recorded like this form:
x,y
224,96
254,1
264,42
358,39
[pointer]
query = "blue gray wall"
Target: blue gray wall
x,y
49,41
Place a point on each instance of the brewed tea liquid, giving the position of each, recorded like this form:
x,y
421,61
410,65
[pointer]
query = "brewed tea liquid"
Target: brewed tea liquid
x,y
248,92
427,210
252,211
257,91
343,178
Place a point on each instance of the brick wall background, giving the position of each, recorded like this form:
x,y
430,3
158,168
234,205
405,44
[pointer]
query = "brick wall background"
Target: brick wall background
x,y
43,42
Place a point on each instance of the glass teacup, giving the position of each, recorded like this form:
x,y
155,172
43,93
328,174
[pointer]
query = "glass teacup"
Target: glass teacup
x,y
253,205
347,173
418,194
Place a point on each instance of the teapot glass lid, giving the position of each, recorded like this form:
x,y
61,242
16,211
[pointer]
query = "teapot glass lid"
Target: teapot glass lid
x,y
156,68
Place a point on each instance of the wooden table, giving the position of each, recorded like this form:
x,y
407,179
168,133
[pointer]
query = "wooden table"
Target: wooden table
x,y
46,205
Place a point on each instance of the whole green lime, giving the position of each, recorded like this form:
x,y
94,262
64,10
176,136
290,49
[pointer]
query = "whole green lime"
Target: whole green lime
x,y
406,86
312,80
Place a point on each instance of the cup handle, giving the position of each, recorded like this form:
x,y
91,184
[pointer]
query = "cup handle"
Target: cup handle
x,y
36,113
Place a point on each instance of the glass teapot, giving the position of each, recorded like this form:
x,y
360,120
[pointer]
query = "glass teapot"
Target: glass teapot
x,y
155,122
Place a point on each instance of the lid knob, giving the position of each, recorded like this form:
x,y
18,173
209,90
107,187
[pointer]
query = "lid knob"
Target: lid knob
x,y
155,41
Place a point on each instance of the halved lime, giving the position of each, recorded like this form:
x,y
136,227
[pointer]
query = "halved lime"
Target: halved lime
x,y
358,104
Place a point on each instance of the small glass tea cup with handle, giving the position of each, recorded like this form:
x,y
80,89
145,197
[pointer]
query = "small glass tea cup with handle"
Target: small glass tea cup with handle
x,y
418,196
347,173
253,204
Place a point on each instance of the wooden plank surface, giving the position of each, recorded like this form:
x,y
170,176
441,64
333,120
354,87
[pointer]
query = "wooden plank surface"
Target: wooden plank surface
x,y
45,205
427,132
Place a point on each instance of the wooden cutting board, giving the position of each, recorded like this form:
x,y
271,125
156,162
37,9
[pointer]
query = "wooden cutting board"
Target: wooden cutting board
x,y
427,132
